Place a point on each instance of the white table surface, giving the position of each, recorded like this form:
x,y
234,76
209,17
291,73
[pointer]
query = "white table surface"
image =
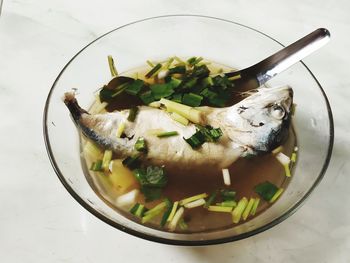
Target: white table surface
x,y
41,222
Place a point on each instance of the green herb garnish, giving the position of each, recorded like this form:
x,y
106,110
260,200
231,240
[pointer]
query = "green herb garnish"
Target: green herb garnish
x,y
141,145
132,114
211,199
192,99
153,70
152,179
167,134
228,195
147,97
177,70
196,140
134,87
266,190
204,134
169,206
96,166
132,161
161,90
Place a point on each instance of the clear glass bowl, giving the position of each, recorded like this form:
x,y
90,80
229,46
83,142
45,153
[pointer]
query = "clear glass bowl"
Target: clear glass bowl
x,y
215,39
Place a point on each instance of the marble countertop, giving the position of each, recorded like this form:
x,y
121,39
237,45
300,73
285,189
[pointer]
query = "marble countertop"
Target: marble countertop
x,y
41,222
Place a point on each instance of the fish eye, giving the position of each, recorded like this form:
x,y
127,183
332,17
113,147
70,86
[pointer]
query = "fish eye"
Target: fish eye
x,y
278,112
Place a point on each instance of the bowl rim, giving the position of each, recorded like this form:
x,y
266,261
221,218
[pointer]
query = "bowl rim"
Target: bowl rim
x,y
84,204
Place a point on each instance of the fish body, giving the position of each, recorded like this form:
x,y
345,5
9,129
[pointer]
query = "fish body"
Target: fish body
x,y
255,125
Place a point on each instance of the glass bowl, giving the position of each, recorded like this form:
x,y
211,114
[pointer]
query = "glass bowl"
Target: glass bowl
x,y
219,40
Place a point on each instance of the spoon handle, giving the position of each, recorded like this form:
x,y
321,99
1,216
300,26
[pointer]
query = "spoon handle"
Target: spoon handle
x,y
286,57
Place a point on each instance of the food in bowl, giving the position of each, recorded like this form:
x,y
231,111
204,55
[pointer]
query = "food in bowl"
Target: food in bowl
x,y
163,147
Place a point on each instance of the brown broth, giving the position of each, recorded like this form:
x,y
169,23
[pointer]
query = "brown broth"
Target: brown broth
x,y
245,174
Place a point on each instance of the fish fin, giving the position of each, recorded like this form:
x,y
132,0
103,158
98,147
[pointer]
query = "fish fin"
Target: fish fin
x,y
73,106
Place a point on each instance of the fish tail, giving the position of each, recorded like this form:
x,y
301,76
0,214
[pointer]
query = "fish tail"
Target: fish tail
x,y
73,106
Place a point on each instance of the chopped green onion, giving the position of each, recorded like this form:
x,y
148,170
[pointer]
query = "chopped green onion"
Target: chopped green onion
x,y
161,90
169,206
282,158
179,118
147,97
210,134
152,179
277,150
293,158
141,145
169,62
151,176
177,97
192,99
151,193
150,215
193,198
228,195
134,87
208,94
155,104
237,212
177,70
92,150
229,203
248,209
153,70
287,170
201,71
207,82
120,129
211,199
196,140
159,206
96,166
131,161
194,60
266,190
187,112
120,90
107,157
132,114
112,66
167,134
255,206
226,176
196,203
173,223
179,60
140,211
134,208
174,83
276,195
173,211
191,60
188,83
150,63
137,210
216,208
182,224
235,77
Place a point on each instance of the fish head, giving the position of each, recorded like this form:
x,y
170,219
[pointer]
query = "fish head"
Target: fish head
x,y
261,122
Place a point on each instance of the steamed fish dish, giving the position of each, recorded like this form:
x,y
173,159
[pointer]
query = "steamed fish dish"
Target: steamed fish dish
x,y
164,146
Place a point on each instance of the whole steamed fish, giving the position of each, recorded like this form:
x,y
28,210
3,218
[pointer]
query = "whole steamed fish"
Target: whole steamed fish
x,y
257,124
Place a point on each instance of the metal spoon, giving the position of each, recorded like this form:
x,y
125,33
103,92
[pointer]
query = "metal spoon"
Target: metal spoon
x,y
258,74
